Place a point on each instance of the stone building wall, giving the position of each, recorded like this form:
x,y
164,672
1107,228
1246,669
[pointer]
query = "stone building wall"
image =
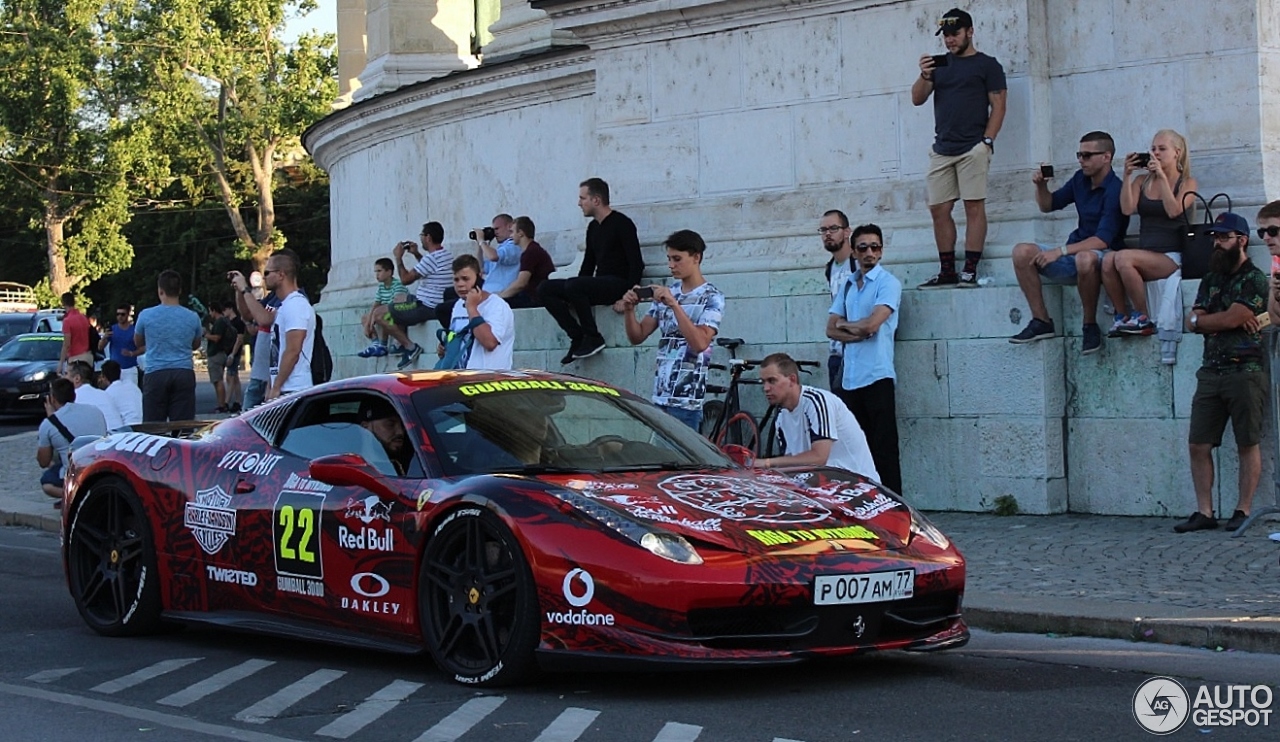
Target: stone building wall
x,y
745,120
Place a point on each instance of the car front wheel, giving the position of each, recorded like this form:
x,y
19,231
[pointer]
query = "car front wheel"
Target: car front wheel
x,y
478,604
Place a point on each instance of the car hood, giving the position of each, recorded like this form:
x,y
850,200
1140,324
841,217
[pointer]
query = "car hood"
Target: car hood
x,y
11,371
753,511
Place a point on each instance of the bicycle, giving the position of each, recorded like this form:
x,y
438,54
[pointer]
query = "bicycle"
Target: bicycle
x,y
724,422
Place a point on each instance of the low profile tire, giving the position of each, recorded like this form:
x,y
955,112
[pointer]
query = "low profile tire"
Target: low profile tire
x,y
111,561
477,600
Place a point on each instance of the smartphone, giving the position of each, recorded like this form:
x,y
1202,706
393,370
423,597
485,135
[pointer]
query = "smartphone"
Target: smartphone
x,y
644,292
939,60
1143,159
1046,171
479,282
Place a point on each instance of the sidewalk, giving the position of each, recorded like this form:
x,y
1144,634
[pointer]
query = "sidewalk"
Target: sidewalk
x,y
1091,575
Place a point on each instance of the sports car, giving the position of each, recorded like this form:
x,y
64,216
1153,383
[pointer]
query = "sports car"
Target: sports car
x,y
28,362
505,523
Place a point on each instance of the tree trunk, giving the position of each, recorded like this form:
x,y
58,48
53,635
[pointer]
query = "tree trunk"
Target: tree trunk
x,y
59,281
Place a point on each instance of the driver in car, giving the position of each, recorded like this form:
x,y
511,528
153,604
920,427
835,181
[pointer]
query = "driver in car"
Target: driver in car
x,y
386,426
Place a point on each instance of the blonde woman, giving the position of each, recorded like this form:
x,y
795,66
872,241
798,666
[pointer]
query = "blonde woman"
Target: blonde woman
x,y
1159,197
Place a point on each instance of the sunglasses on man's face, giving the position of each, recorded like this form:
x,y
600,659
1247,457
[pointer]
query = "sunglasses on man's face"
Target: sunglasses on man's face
x,y
864,246
1265,232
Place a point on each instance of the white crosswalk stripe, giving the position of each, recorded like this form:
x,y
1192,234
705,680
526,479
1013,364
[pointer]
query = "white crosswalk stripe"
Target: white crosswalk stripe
x,y
143,675
271,706
568,726
214,683
50,676
674,731
369,710
461,721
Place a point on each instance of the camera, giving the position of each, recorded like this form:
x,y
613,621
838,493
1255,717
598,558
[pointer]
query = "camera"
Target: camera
x,y
644,292
1046,171
939,60
1142,159
488,234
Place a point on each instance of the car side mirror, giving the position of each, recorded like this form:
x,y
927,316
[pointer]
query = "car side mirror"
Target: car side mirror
x,y
741,455
351,470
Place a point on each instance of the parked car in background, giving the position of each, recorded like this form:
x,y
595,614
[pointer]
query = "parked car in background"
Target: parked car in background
x,y
28,363
13,324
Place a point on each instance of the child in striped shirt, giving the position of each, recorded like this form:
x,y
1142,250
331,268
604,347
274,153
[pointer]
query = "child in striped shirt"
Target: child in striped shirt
x,y
390,291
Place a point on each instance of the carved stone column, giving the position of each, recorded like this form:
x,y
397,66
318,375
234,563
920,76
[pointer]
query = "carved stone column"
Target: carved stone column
x,y
352,55
413,40
520,30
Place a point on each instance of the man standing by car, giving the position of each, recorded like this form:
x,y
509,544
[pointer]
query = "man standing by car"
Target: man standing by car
x,y
969,99
293,324
64,422
75,335
1232,381
168,333
814,426
834,230
865,318
118,342
611,264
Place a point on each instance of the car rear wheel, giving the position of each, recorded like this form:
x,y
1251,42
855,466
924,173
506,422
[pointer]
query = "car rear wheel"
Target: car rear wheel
x,y
478,604
111,561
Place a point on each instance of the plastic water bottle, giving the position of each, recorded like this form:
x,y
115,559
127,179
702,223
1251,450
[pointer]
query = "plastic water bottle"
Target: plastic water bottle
x,y
986,281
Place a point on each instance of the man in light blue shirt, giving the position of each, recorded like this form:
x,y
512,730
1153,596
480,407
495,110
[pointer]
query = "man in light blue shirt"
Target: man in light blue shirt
x,y
864,316
168,333
501,263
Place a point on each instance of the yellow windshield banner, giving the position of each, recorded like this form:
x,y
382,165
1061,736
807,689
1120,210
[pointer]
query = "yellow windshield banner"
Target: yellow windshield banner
x,y
490,387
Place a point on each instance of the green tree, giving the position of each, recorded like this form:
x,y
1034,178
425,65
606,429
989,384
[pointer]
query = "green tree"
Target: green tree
x,y
220,75
69,153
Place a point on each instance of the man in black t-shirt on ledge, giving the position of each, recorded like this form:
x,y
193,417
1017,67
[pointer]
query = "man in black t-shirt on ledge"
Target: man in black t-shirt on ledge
x,y
611,265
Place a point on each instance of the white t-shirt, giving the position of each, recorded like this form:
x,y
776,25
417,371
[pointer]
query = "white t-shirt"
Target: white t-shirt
x,y
502,321
821,415
95,397
436,271
295,313
128,399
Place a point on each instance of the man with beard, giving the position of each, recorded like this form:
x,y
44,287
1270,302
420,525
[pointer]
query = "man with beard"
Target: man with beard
x,y
1232,380
969,98
1100,226
864,316
834,230
381,420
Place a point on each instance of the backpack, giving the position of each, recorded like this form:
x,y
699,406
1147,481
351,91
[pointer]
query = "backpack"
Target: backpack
x,y
321,359
457,346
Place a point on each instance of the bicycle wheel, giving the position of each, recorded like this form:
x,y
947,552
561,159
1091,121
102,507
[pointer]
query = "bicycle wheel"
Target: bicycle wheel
x,y
769,434
712,409
741,429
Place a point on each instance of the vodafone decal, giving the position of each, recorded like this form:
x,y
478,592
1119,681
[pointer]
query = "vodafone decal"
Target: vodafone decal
x,y
579,589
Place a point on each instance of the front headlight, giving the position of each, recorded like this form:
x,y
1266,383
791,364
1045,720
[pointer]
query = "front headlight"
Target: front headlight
x,y
36,376
667,545
670,546
921,527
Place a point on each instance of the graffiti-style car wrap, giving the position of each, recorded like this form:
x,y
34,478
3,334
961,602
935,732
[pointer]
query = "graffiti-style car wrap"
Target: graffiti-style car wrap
x,y
503,522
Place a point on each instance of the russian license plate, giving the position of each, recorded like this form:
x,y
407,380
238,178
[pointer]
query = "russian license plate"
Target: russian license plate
x,y
872,587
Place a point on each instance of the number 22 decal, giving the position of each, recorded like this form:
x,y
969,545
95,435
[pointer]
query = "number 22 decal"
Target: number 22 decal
x,y
295,529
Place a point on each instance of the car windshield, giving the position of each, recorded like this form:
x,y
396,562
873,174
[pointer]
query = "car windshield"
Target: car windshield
x,y
32,348
540,425
13,324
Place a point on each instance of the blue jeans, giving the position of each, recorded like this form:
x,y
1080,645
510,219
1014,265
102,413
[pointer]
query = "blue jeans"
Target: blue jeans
x,y
255,393
1063,270
692,418
835,372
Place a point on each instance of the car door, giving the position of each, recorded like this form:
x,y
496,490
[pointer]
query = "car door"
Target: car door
x,y
340,555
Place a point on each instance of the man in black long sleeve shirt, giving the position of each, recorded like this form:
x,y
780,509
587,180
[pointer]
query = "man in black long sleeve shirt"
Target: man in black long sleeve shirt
x,y
610,267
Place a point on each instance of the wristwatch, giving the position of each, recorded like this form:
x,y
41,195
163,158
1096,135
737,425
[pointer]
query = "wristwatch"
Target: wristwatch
x,y
990,143
247,290
1194,327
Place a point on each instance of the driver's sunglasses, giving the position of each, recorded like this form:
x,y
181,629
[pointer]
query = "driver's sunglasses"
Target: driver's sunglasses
x,y
1265,232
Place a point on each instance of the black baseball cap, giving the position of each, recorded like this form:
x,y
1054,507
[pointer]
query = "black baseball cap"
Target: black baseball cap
x,y
954,19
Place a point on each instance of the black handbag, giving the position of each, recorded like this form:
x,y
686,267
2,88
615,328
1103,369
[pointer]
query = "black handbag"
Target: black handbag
x,y
1197,243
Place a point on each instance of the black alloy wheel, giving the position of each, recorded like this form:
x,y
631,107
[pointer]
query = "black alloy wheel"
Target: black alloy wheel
x,y
479,607
111,561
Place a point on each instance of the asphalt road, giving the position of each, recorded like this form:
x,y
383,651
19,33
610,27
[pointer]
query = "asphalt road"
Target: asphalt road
x,y
59,681
206,400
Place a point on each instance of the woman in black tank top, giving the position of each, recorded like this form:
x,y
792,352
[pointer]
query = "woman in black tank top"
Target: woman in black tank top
x,y
1158,197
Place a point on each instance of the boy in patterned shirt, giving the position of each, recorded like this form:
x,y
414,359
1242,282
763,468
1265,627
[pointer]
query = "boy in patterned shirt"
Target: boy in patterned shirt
x,y
688,311
390,290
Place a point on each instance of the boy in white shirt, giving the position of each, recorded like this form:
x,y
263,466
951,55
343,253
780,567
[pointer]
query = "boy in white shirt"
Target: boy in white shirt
x,y
494,336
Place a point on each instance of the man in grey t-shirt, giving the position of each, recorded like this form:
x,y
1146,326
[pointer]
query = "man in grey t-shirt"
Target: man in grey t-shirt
x,y
969,98
52,443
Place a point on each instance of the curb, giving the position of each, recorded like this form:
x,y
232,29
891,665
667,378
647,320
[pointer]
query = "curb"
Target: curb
x,y
48,523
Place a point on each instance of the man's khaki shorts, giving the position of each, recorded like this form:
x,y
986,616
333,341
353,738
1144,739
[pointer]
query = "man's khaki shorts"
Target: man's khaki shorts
x,y
1240,396
953,177
217,367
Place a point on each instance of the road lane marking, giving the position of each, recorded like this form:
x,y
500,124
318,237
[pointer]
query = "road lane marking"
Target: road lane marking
x,y
568,726
143,675
214,683
156,718
453,726
674,731
271,706
369,710
49,676
53,548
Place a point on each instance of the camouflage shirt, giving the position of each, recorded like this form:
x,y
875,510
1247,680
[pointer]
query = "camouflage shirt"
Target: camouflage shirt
x,y
1238,349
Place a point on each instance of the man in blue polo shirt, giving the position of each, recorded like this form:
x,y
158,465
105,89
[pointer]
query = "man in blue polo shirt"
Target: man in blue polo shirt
x,y
1100,226
864,316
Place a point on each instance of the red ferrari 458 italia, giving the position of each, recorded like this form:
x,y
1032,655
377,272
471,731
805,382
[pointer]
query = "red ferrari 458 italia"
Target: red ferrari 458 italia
x,y
505,522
